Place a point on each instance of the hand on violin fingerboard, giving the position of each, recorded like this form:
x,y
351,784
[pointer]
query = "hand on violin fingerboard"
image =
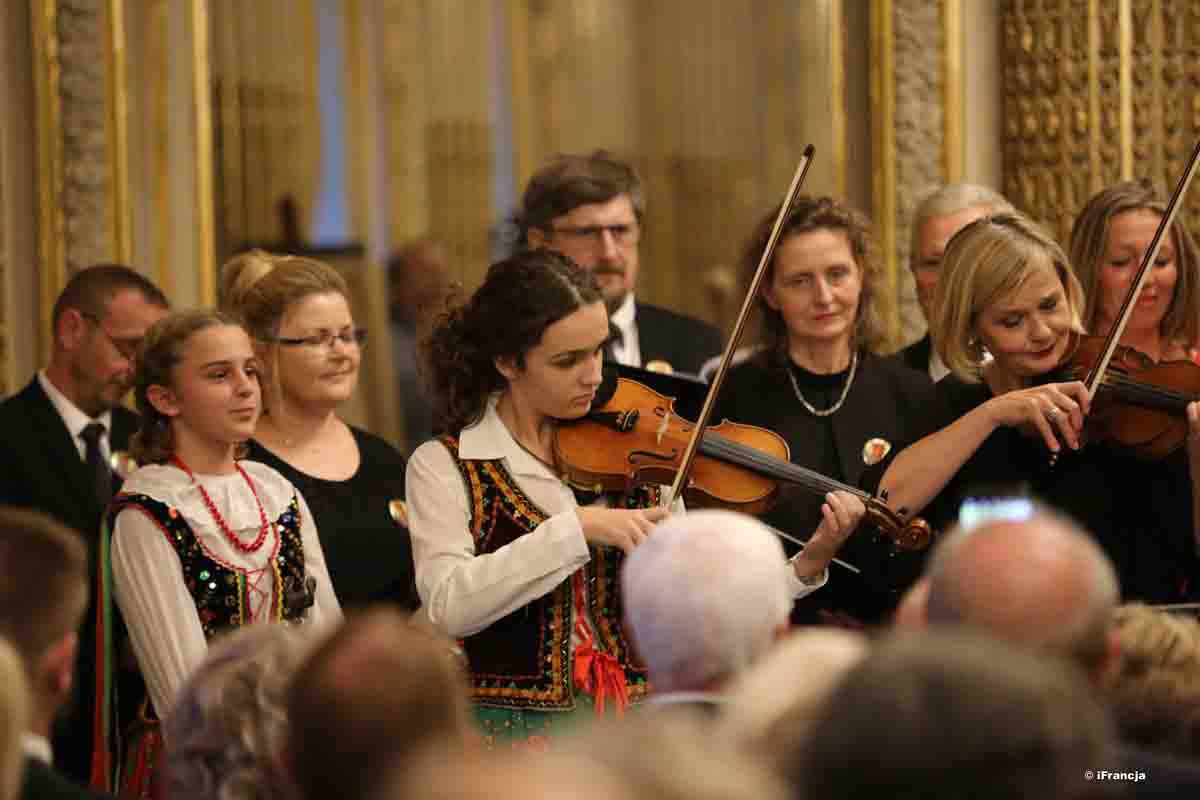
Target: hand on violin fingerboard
x,y
840,514
625,528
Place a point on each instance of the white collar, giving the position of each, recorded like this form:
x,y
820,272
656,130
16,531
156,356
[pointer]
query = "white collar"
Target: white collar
x,y
170,485
489,439
626,314
38,747
72,416
676,698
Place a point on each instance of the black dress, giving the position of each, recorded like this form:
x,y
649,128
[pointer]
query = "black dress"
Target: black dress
x,y
885,402
1140,513
369,554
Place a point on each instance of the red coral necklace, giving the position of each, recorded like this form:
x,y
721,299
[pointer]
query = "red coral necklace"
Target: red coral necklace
x,y
216,515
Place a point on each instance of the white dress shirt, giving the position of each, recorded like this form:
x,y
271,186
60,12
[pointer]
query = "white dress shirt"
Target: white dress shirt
x,y
148,577
76,420
463,593
937,367
628,351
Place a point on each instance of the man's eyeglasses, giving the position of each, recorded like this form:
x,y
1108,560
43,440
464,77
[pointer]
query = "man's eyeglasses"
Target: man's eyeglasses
x,y
356,337
621,232
127,347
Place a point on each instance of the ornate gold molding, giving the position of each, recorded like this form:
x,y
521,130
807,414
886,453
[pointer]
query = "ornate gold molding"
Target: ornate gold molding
x,y
883,101
118,131
48,103
206,257
952,90
837,93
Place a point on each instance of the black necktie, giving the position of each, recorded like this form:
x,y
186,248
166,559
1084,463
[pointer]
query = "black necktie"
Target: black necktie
x,y
97,466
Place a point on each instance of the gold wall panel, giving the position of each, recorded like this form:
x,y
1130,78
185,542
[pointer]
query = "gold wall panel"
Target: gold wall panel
x,y
1097,91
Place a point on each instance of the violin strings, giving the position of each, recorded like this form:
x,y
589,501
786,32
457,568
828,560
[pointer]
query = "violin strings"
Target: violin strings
x,y
738,453
1149,393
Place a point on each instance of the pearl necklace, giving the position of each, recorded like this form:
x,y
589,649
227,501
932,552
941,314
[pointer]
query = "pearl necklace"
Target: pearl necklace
x,y
216,515
825,412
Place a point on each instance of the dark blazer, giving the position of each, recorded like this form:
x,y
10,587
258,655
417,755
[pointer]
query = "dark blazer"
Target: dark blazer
x,y
42,782
40,468
916,355
682,342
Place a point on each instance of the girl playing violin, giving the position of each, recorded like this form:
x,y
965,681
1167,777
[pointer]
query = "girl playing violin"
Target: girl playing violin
x,y
1108,242
842,410
508,558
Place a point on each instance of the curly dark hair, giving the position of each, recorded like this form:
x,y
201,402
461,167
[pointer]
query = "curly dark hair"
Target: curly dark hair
x,y
505,317
814,214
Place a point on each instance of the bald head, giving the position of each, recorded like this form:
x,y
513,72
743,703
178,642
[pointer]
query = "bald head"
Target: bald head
x,y
1040,581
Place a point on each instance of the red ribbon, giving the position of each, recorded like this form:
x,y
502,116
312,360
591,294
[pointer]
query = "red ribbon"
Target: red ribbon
x,y
596,672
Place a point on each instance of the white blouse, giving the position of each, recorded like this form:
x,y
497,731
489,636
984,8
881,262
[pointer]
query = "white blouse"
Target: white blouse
x,y
463,593
148,577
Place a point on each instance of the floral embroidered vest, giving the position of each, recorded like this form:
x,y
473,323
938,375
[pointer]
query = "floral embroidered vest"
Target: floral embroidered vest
x,y
220,591
523,660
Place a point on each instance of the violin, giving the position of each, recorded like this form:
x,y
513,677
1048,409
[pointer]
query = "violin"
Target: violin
x,y
636,437
1141,403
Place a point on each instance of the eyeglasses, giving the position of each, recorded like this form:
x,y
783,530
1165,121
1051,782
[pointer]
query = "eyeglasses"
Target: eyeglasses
x,y
621,232
127,347
356,337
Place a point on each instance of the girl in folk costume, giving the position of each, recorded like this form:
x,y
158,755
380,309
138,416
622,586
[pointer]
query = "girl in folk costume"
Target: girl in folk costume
x,y
202,542
508,558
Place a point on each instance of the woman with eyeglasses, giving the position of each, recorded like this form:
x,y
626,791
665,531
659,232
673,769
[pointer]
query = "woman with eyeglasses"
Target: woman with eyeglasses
x,y
298,312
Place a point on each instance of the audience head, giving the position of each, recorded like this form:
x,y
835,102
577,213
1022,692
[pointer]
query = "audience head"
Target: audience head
x,y
372,693
497,327
297,310
590,209
998,270
1154,691
771,706
826,258
197,378
98,322
418,277
943,213
1108,241
1040,580
43,597
228,727
951,716
14,714
704,598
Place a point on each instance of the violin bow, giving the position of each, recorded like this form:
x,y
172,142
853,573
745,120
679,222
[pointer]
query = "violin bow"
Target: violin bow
x,y
1096,378
685,465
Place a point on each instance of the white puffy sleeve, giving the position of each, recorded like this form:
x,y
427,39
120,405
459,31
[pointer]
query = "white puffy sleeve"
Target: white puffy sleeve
x,y
326,609
462,592
158,610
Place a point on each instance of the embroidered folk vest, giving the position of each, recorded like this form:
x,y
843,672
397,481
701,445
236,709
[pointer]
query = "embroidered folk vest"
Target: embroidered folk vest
x,y
220,591
524,659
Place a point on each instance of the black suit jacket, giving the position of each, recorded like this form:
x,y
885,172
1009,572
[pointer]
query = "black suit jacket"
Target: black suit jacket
x,y
40,468
916,355
42,782
682,342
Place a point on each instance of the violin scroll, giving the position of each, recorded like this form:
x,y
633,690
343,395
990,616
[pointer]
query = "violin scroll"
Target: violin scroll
x,y
912,534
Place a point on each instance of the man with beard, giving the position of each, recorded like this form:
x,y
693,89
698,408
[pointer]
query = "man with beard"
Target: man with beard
x,y
590,209
61,432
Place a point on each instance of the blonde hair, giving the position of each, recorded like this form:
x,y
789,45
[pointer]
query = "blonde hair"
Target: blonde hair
x,y
259,288
1154,693
1089,237
14,718
161,351
985,261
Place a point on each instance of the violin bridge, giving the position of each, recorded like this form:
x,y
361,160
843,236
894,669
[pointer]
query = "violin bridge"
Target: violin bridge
x,y
663,427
